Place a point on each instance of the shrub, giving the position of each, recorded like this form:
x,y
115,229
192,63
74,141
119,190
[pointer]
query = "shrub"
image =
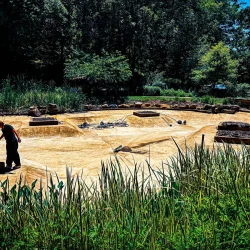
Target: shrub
x,y
242,90
151,90
154,98
195,99
178,93
173,82
208,99
156,79
226,101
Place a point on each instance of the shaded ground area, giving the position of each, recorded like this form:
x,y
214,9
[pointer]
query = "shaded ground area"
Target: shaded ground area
x,y
51,148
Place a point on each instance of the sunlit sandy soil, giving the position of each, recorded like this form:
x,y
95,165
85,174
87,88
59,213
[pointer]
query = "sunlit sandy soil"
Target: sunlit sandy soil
x,y
50,149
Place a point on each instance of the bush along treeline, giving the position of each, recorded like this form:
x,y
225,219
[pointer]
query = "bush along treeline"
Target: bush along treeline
x,y
18,94
198,200
115,48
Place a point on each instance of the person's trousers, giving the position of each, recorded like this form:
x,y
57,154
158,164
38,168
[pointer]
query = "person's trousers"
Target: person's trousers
x,y
12,153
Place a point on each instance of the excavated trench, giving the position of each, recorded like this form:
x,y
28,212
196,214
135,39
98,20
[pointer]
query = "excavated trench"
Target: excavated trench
x,y
49,149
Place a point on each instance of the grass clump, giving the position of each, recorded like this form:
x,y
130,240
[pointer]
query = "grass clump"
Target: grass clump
x,y
177,93
19,94
156,98
200,199
207,99
204,99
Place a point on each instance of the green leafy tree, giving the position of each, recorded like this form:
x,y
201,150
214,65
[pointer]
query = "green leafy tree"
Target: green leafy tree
x,y
106,71
36,36
108,68
216,66
243,46
20,27
57,37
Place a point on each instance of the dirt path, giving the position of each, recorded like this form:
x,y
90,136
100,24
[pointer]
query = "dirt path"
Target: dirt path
x,y
50,149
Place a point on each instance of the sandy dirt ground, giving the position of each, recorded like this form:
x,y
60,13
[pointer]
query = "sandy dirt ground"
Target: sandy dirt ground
x,y
48,150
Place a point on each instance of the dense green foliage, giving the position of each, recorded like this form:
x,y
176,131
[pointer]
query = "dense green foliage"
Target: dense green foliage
x,y
216,67
18,94
97,72
108,68
137,39
180,96
157,98
198,200
178,93
151,90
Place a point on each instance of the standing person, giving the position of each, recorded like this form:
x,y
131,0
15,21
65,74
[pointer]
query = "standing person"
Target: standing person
x,y
12,138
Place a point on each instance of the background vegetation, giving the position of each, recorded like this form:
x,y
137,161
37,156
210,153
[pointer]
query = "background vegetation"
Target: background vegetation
x,y
18,94
121,48
198,200
64,51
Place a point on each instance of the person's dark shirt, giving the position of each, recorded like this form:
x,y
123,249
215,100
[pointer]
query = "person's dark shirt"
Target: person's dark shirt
x,y
8,133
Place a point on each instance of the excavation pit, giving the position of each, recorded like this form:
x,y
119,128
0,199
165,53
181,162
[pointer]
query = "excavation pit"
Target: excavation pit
x,y
233,132
146,113
41,121
234,140
50,149
241,126
103,125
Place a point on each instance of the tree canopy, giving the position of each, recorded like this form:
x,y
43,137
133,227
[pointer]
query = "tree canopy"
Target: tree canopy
x,y
216,67
107,68
39,39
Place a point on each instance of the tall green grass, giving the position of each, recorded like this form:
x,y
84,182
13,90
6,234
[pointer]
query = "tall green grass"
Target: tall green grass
x,y
19,94
157,98
205,99
177,93
199,199
212,100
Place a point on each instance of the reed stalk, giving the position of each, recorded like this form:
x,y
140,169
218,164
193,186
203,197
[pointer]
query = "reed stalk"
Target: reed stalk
x,y
198,199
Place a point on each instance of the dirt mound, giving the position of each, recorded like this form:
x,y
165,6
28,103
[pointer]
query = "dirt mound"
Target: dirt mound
x,y
44,131
150,138
135,121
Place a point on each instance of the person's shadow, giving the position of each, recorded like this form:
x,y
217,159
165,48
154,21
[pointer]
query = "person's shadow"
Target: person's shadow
x,y
6,170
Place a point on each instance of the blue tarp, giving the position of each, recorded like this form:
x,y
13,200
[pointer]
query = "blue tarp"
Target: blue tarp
x,y
220,86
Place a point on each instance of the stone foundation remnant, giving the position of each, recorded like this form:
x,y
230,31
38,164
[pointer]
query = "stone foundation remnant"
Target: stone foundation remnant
x,y
34,111
145,113
53,109
41,121
233,132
